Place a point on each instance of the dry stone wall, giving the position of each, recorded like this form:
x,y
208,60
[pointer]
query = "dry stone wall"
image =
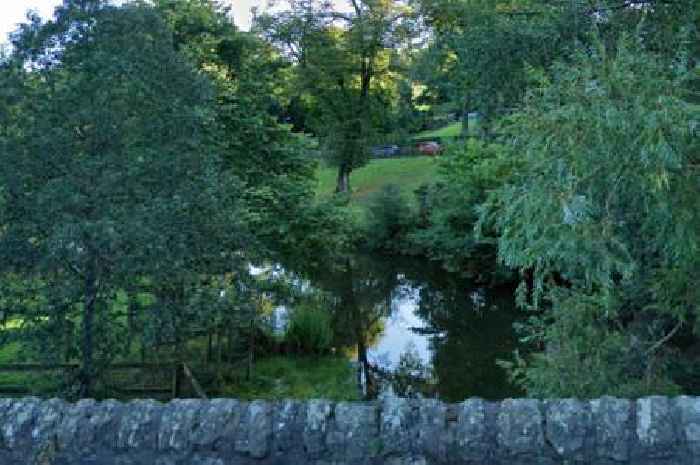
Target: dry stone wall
x,y
606,431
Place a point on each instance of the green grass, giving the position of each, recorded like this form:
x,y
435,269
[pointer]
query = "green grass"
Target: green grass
x,y
279,377
447,132
37,382
276,377
408,173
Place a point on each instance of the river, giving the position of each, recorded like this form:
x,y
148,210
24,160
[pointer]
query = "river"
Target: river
x,y
418,330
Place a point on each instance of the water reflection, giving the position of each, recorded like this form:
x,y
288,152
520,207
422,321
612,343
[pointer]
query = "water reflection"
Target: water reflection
x,y
418,330
404,332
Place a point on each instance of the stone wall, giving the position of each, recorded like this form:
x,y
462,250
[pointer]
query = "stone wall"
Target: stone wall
x,y
607,431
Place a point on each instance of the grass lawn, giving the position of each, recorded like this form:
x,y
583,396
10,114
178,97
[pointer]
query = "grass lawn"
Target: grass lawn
x,y
408,173
448,132
37,382
328,377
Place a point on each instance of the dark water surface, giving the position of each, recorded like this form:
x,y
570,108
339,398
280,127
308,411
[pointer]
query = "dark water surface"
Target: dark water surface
x,y
415,328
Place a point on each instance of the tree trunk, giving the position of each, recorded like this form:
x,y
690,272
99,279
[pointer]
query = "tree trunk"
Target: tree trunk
x,y
343,182
131,321
229,344
68,336
465,118
251,350
210,345
370,382
87,369
219,345
177,381
177,304
143,348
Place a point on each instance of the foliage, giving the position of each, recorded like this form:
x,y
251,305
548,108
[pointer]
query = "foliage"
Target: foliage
x,y
113,171
480,52
602,219
467,173
329,377
271,162
389,218
578,345
309,330
342,72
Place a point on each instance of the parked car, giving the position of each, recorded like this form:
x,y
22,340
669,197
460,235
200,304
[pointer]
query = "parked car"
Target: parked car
x,y
429,147
385,151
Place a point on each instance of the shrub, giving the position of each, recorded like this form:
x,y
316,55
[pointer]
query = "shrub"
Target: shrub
x,y
389,218
448,209
309,330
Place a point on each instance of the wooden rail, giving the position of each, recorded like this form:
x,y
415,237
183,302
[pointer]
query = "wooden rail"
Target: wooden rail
x,y
74,366
176,368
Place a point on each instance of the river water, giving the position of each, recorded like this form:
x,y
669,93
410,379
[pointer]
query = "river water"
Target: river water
x,y
416,329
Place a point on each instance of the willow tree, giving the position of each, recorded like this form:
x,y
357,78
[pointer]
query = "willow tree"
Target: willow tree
x,y
602,217
111,170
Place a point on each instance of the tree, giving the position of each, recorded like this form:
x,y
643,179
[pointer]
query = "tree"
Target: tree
x,y
603,219
338,58
113,170
273,164
480,53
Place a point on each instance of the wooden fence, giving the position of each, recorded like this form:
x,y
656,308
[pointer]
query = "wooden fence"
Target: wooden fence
x,y
151,380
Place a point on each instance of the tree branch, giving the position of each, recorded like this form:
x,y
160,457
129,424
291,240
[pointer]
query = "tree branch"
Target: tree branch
x,y
664,339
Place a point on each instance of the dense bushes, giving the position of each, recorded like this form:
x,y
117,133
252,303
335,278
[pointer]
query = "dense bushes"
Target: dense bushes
x,y
389,219
448,209
309,330
440,223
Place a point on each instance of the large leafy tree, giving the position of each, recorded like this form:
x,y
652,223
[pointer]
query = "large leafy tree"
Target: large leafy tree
x,y
112,170
273,164
603,219
342,66
480,52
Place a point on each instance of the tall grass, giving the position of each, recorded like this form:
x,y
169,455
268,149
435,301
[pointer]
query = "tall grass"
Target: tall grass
x,y
309,330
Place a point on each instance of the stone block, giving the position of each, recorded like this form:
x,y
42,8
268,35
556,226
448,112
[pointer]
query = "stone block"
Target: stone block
x,y
519,428
217,425
178,421
611,419
688,413
472,442
396,427
568,428
655,428
318,414
138,427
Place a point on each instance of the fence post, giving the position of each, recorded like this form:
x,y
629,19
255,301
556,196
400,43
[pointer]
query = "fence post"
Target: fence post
x,y
177,380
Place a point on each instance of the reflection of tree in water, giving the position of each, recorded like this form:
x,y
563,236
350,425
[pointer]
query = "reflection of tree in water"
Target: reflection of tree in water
x,y
472,329
469,328
411,376
362,290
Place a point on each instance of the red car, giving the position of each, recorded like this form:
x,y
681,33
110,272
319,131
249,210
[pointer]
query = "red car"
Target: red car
x,y
429,148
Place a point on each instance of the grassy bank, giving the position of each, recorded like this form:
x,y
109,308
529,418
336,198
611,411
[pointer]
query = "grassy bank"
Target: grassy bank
x,y
447,132
329,377
408,173
450,131
274,377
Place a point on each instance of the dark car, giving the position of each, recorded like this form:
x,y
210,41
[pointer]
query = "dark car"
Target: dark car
x,y
380,151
